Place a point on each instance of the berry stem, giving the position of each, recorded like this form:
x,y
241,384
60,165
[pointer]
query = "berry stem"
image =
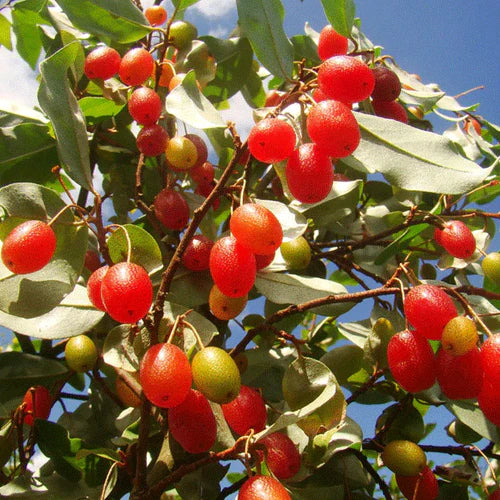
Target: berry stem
x,y
195,332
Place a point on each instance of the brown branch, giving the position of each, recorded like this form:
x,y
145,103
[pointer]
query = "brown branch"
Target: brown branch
x,y
373,473
366,386
142,450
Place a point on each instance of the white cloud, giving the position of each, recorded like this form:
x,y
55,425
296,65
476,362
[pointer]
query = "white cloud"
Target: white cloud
x,y
241,114
215,8
219,32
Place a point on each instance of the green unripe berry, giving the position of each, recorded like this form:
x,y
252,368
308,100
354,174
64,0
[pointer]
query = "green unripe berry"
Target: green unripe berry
x,y
491,267
182,33
81,353
404,457
216,375
459,336
297,253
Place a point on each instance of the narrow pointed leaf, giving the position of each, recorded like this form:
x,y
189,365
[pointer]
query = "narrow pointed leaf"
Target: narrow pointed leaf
x,y
5,32
262,23
58,101
340,13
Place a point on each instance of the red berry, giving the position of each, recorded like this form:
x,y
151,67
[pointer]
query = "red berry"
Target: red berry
x,y
263,261
232,267
346,79
247,411
152,140
426,482
29,247
490,358
318,95
489,401
277,188
165,375
411,361
428,309
144,106
332,126
201,149
38,403
171,209
196,257
460,377
192,423
92,261
103,63
494,495
203,173
273,98
309,173
457,239
387,84
392,110
156,15
437,236
136,67
94,285
271,140
204,189
331,43
126,292
283,458
263,488
257,228
472,122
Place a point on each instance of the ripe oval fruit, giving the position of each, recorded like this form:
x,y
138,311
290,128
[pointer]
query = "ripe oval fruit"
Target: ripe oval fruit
x,y
171,209
156,15
257,228
297,253
192,423
203,173
491,267
332,126
428,309
489,401
247,411
283,458
390,109
126,292
201,150
92,261
165,375
404,458
136,67
127,396
271,140
490,358
457,239
460,377
387,84
232,267
216,375
411,361
38,403
102,62
181,153
346,79
152,140
331,43
423,486
144,106
29,247
309,173
94,287
263,488
196,257
81,353
224,307
182,34
262,261
167,73
459,336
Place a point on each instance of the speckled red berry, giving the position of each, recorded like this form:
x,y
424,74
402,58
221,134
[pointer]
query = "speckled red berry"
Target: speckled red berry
x,y
171,209
136,67
102,62
271,140
144,106
392,110
196,257
387,84
152,140
94,284
331,43
247,411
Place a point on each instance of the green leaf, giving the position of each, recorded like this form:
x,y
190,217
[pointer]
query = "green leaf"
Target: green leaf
x,y
58,101
234,61
357,332
34,294
144,248
121,21
305,48
73,316
118,350
97,109
295,289
293,224
183,4
253,90
340,13
344,361
5,32
197,57
187,103
413,159
262,23
22,142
